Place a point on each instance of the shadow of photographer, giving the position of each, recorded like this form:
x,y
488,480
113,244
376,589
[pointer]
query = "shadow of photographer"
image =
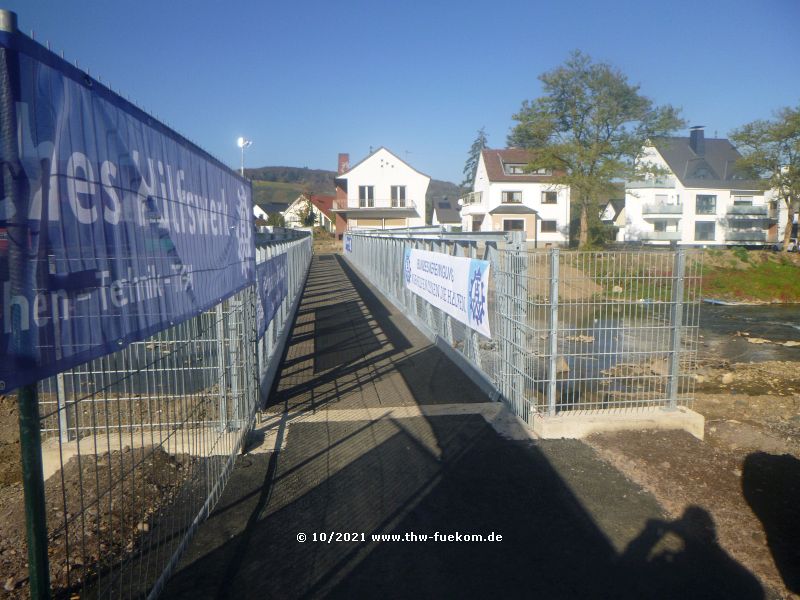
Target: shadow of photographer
x,y
683,559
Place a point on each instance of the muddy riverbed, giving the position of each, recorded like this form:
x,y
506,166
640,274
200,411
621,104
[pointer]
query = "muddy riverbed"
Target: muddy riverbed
x,y
777,323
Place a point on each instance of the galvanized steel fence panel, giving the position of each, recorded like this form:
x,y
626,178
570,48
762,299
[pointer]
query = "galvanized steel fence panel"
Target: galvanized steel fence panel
x,y
572,331
137,445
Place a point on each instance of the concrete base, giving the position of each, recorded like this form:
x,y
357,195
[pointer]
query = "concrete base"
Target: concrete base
x,y
579,424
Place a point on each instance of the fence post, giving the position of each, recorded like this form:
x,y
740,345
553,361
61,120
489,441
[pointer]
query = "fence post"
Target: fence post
x,y
506,352
235,327
21,342
518,302
552,372
676,322
223,380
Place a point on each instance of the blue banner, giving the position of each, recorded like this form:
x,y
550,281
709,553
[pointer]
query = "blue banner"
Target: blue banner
x,y
117,227
272,289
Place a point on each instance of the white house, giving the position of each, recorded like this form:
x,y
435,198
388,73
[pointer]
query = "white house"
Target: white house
x,y
259,213
446,213
507,198
700,200
613,213
295,211
381,191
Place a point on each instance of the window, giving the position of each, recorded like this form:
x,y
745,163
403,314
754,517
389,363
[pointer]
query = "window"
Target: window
x,y
704,231
543,172
476,223
661,199
512,197
706,205
513,225
366,196
548,227
515,169
549,197
660,225
743,201
398,196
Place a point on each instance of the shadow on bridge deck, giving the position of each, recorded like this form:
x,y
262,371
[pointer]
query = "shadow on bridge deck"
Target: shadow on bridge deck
x,y
373,431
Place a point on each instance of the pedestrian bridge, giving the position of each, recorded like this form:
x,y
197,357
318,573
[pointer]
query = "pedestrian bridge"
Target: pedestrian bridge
x,y
379,469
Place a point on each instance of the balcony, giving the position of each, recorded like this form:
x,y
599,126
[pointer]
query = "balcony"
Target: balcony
x,y
754,210
748,235
657,182
472,198
375,209
662,209
661,236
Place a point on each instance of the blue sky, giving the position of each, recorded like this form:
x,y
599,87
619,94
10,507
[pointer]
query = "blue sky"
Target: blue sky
x,y
306,80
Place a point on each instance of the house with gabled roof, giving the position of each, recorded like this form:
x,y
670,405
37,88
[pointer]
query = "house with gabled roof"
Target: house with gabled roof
x,y
323,206
446,213
380,192
506,196
613,213
700,198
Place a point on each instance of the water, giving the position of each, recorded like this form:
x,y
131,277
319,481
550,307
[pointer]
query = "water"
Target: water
x,y
776,322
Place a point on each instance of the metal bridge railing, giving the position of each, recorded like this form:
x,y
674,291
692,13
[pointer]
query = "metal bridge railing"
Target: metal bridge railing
x,y
572,331
137,445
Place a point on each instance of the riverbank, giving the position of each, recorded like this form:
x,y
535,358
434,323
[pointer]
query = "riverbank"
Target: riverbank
x,y
752,277
745,474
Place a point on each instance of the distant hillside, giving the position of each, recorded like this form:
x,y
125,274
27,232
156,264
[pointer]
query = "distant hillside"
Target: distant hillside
x,y
281,185
314,181
276,192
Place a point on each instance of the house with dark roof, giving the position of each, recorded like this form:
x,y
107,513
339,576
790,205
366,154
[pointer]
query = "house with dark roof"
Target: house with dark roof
x,y
506,196
700,199
613,213
380,192
446,212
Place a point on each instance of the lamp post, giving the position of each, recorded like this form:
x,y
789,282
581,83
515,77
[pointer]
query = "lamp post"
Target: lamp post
x,y
243,143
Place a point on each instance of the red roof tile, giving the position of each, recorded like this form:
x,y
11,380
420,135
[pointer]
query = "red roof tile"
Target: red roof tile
x,y
324,204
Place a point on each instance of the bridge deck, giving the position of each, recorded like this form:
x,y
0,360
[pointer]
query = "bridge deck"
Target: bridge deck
x,y
374,431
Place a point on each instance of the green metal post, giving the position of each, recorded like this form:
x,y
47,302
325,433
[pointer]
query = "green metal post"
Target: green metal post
x,y
33,484
21,343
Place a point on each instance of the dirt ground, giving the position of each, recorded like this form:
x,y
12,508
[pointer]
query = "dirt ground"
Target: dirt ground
x,y
746,473
94,529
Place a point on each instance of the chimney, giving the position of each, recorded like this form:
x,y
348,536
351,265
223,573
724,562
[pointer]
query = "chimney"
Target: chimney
x,y
697,140
344,162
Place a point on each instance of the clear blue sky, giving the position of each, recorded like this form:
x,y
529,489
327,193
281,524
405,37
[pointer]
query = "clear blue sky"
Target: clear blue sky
x,y
306,80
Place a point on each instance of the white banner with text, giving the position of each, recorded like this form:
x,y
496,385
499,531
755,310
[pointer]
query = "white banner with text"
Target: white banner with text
x,y
458,286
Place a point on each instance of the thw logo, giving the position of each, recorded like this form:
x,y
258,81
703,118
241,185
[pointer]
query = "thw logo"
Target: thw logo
x,y
477,296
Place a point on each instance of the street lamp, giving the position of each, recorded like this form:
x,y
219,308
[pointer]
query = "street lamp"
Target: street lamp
x,y
243,143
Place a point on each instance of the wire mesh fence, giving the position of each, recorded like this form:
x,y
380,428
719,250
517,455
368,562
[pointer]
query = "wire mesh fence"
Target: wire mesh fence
x,y
125,245
572,332
137,445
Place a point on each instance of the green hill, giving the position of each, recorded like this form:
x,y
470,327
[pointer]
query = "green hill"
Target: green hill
x,y
281,185
276,192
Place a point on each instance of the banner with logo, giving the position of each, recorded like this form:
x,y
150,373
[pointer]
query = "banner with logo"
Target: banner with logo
x,y
272,289
458,286
116,226
348,242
